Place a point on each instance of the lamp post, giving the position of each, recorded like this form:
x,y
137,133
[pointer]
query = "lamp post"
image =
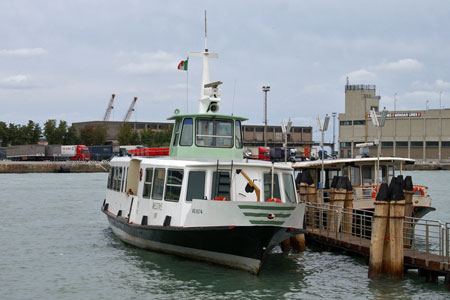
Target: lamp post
x,y
334,125
322,129
265,90
378,124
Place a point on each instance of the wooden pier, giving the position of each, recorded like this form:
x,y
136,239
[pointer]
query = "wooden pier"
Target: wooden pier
x,y
426,246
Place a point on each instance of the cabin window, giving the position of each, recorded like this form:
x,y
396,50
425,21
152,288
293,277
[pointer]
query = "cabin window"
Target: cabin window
x,y
355,176
214,133
238,133
329,175
120,187
186,133
116,180
268,186
173,185
221,185
108,184
176,132
367,174
196,185
148,183
383,172
158,184
391,172
289,189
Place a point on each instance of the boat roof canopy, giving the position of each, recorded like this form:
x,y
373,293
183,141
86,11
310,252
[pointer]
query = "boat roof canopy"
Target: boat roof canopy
x,y
350,161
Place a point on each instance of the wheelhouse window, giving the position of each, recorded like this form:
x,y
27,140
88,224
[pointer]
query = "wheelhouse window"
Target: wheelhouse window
x,y
158,184
196,185
176,132
238,134
214,133
148,183
289,189
268,186
186,132
173,185
221,185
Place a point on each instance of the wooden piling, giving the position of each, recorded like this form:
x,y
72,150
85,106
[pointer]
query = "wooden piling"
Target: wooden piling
x,y
348,208
298,242
379,225
407,226
286,245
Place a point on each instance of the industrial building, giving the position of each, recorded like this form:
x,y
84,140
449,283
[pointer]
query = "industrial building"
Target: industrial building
x,y
298,137
423,135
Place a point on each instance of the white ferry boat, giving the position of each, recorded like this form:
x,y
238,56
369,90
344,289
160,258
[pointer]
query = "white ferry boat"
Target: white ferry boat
x,y
204,201
362,175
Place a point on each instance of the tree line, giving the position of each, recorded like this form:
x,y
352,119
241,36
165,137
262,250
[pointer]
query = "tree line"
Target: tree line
x,y
15,134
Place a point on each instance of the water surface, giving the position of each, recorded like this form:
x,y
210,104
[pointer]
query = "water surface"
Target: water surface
x,y
55,244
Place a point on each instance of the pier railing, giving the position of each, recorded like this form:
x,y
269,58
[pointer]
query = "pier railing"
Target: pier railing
x,y
420,236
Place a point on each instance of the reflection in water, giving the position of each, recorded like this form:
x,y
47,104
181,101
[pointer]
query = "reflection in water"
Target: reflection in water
x,y
184,278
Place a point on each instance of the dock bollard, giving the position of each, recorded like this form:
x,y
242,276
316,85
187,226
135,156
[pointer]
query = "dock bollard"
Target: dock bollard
x,y
379,225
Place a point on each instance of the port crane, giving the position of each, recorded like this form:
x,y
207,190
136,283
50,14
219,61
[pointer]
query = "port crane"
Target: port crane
x,y
109,109
130,110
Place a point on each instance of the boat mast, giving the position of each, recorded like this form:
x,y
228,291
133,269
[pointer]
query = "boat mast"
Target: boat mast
x,y
209,91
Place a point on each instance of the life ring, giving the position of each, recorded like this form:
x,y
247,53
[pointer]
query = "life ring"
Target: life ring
x,y
221,199
274,200
420,190
374,192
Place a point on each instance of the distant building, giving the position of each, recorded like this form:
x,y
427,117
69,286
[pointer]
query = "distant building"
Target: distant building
x,y
253,134
418,134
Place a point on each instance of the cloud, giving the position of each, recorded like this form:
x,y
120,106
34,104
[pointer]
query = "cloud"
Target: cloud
x,y
148,63
402,65
19,81
442,84
23,52
360,76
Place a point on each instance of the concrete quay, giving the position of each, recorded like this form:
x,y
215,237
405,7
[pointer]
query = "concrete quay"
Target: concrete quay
x,y
52,167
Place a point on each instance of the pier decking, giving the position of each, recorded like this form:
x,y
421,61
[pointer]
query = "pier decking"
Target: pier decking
x,y
426,242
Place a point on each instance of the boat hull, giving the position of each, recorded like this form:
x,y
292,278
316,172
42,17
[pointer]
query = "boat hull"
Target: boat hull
x,y
240,247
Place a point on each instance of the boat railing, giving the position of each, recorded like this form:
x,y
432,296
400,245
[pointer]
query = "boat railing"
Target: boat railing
x,y
420,236
364,193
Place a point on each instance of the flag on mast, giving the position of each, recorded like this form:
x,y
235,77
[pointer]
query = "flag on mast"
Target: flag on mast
x,y
183,65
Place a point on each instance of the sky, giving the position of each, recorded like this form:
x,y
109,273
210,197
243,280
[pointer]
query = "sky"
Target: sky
x,y
63,59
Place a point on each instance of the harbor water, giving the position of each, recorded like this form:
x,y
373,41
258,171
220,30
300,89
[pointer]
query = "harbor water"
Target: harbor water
x,y
55,244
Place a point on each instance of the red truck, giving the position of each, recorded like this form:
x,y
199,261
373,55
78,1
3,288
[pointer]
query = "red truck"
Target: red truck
x,y
261,153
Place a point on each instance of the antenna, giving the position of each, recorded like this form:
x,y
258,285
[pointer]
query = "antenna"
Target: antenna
x,y
206,34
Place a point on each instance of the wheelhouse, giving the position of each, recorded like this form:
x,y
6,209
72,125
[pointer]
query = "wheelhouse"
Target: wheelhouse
x,y
206,135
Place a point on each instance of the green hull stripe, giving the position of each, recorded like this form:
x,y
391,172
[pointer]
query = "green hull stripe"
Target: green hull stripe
x,y
248,214
266,207
256,222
